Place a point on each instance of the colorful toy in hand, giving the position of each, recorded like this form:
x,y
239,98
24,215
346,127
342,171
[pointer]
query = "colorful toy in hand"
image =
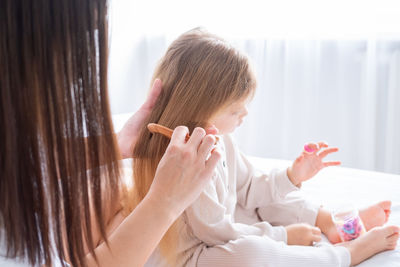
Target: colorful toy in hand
x,y
309,149
349,225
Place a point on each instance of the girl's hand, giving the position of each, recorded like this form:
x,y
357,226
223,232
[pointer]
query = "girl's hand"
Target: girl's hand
x,y
128,135
185,169
302,234
310,163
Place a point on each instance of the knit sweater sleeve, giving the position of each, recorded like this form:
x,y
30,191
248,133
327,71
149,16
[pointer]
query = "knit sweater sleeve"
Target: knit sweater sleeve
x,y
213,224
255,251
254,188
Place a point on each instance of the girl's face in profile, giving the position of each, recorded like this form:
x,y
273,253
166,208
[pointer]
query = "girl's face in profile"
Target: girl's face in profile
x,y
230,117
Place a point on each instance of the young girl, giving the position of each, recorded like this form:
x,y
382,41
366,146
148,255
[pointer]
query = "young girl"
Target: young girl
x,y
207,82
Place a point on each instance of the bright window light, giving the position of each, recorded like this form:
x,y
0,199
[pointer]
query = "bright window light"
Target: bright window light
x,y
264,19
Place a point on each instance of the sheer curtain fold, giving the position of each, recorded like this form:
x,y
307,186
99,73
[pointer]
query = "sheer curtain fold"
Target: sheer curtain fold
x,y
345,92
391,131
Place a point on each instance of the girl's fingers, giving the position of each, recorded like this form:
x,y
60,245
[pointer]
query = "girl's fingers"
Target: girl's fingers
x,y
179,135
206,146
317,238
322,144
314,147
316,231
328,151
316,234
331,163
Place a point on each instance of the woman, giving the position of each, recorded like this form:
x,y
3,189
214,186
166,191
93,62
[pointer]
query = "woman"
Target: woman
x,y
56,125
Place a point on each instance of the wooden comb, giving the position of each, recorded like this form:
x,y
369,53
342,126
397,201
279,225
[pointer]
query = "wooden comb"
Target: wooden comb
x,y
157,128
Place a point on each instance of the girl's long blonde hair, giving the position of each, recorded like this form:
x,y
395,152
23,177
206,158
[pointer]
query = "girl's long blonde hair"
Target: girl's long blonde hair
x,y
201,74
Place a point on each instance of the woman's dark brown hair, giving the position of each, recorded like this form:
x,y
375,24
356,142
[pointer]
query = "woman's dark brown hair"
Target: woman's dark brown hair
x,y
55,125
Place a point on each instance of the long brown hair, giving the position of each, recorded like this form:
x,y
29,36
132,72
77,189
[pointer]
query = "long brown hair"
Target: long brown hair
x,y
55,124
201,74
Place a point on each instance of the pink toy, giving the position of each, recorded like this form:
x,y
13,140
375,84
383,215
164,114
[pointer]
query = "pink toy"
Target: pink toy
x,y
309,149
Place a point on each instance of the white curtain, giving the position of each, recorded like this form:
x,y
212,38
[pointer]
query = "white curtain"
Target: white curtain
x,y
345,91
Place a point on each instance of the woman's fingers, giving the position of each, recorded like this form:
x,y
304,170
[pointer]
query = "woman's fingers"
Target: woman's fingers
x,y
183,171
196,137
212,162
179,135
199,143
212,130
153,95
128,135
206,146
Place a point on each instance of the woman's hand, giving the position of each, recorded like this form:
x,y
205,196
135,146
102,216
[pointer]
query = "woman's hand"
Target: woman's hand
x,y
181,175
310,163
185,169
128,135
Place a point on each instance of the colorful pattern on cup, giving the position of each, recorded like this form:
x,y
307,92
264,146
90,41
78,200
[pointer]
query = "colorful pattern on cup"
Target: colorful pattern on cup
x,y
350,229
